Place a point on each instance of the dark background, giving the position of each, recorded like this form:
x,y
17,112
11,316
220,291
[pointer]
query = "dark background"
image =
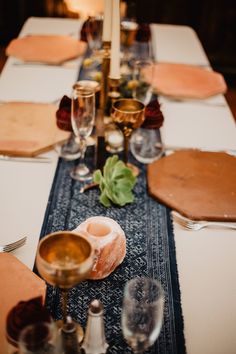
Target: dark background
x,y
213,20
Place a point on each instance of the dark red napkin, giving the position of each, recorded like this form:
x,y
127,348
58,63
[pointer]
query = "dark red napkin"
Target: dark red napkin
x,y
24,314
63,114
153,116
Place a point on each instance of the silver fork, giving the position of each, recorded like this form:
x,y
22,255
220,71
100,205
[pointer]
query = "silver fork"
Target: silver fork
x,y
13,245
196,225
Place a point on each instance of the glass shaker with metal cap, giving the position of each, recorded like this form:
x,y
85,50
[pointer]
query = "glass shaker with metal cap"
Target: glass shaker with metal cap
x,y
94,339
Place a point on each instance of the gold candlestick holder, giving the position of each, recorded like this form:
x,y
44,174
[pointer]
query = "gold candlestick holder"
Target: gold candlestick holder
x,y
105,74
114,92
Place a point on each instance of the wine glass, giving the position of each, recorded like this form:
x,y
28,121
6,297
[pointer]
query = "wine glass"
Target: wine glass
x,y
82,119
127,114
64,259
142,312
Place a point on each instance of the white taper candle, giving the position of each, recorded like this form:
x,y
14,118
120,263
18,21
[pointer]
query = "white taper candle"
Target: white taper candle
x,y
115,41
106,33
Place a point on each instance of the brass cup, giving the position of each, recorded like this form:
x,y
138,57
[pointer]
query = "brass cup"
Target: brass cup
x,y
65,258
127,114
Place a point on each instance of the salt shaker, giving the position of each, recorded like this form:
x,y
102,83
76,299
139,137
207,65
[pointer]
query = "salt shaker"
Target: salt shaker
x,y
94,340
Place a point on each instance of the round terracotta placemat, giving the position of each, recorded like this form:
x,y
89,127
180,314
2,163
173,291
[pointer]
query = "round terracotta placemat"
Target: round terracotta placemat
x,y
199,185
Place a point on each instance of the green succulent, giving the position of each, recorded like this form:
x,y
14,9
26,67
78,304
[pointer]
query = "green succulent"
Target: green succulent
x,y
116,182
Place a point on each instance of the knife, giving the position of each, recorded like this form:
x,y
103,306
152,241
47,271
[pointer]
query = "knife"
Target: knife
x,y
180,148
25,159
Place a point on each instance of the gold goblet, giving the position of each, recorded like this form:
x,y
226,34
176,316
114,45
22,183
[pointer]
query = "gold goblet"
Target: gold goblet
x,y
127,114
64,259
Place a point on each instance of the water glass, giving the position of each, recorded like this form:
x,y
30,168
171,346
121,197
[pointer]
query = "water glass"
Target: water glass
x,y
145,145
142,80
142,312
94,33
40,338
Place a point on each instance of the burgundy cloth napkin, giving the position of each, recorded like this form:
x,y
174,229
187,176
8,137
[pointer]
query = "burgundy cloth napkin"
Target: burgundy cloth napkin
x,y
153,116
63,114
26,313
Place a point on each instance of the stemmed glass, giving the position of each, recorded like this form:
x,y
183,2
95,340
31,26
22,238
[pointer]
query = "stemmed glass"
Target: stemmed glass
x,y
82,119
64,259
127,114
142,312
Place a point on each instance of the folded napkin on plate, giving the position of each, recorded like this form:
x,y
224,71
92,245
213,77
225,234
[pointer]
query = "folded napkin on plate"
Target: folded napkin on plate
x,y
18,283
185,81
200,185
27,129
50,49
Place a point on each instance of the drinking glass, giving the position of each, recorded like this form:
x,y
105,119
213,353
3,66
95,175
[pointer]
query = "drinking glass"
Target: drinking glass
x,y
142,312
39,338
69,150
94,33
142,80
127,36
127,114
82,118
64,259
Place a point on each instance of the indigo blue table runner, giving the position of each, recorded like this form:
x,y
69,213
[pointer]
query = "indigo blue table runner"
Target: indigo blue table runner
x,y
150,252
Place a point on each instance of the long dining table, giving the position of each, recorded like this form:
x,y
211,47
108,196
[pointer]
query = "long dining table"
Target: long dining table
x,y
206,258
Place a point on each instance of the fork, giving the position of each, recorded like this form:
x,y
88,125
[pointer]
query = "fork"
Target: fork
x,y
24,159
196,225
14,245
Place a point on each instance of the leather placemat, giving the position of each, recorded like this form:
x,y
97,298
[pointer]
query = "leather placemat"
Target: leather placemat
x,y
46,48
185,81
199,185
18,283
27,129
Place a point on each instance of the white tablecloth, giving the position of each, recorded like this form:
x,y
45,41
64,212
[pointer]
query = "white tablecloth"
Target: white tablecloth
x,y
206,259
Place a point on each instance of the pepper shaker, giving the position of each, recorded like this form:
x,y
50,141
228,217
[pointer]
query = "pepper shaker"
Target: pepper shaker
x,y
94,340
69,337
